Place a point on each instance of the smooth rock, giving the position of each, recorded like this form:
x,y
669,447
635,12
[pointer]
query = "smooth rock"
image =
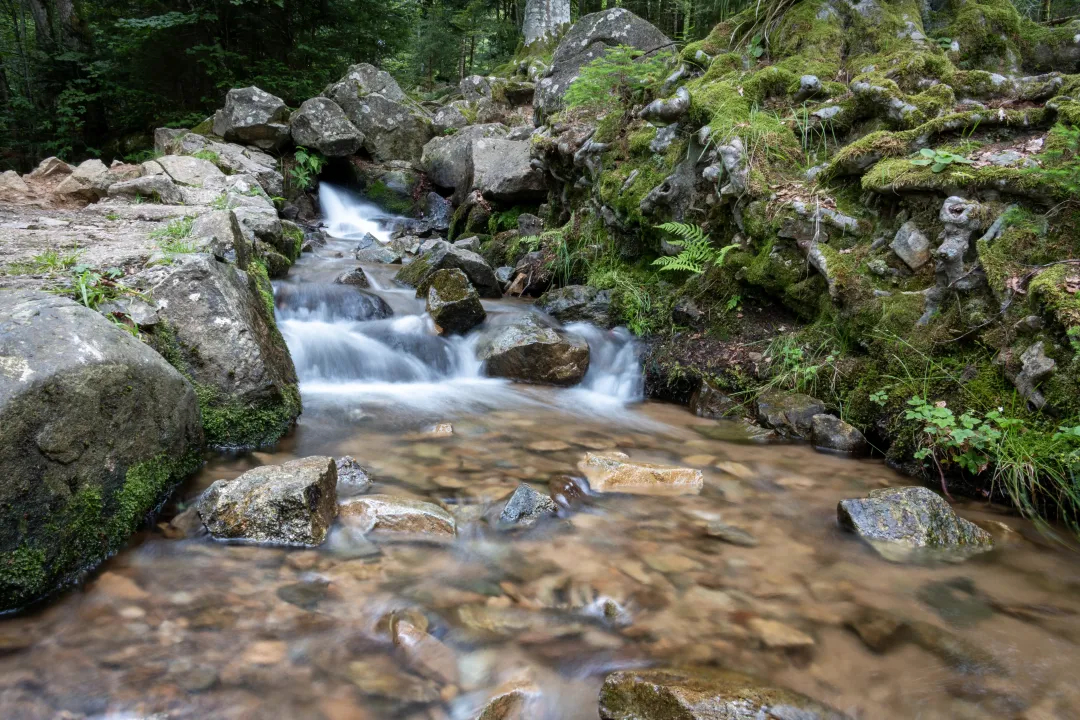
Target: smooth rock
x,y
355,277
426,654
388,514
832,433
528,351
615,472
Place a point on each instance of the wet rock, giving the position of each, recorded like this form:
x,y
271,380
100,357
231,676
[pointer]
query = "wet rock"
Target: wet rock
x,y
381,677
566,491
879,630
253,117
442,255
702,694
778,636
615,472
832,433
387,514
912,523
532,275
526,507
957,601
352,478
294,503
155,188
956,652
790,414
453,303
731,534
321,124
504,274
306,595
710,401
528,351
503,171
193,171
578,303
911,246
354,277
91,421
513,700
425,654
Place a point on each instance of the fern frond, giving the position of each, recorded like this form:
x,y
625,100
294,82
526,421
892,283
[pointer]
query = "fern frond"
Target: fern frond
x,y
724,252
690,233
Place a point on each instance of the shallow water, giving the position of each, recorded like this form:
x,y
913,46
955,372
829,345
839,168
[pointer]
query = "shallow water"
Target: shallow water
x,y
191,628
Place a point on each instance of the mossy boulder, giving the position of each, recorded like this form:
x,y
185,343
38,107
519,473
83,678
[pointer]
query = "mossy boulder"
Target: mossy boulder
x,y
95,430
442,255
453,303
790,414
529,351
578,303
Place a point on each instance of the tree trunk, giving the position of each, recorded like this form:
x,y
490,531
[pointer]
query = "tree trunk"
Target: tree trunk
x,y
545,19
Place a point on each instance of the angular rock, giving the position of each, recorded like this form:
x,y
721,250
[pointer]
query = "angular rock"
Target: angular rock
x,y
95,430
155,188
321,124
526,507
532,275
436,213
352,478
1035,367
425,654
614,472
193,171
442,255
911,246
453,303
354,277
709,401
503,171
253,117
222,236
12,182
912,523
164,137
85,183
528,351
578,303
529,225
262,223
832,433
789,414
366,79
392,130
292,504
447,119
50,167
703,694
472,244
448,161
399,516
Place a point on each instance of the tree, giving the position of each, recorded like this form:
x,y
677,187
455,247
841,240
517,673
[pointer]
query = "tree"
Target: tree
x,y
545,20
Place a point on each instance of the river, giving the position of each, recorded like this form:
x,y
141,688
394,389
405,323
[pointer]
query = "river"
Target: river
x,y
184,627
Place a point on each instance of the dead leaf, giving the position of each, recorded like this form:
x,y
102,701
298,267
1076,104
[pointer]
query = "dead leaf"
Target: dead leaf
x,y
1015,285
1072,283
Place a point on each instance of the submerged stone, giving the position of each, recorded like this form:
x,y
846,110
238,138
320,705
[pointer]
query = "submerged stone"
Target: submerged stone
x,y
405,517
615,472
526,507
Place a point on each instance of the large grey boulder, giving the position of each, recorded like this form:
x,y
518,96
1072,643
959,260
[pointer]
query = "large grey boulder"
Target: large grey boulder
x,y
545,20
155,188
392,128
529,351
502,170
831,433
220,332
442,255
578,303
221,234
448,161
453,303
703,694
86,184
321,124
290,504
912,523
95,430
234,159
366,79
253,117
187,170
587,40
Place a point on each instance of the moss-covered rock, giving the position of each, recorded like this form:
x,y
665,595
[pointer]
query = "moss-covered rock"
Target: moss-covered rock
x,y
453,303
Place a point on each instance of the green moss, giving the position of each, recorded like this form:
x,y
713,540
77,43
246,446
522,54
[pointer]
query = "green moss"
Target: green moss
x,y
381,194
228,423
205,128
1051,295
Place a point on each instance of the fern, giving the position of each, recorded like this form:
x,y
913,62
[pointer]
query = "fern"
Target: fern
x,y
697,251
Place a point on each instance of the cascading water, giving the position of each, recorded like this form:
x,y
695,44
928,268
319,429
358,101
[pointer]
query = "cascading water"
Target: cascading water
x,y
375,351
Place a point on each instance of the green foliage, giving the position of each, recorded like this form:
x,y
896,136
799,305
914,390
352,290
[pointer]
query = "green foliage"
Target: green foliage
x,y
939,160
172,239
50,261
93,288
697,252
306,168
208,155
619,76
756,47
1060,162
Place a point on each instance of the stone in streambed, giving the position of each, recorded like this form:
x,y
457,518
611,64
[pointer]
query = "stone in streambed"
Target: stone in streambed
x,y
615,472
709,401
294,503
404,517
702,694
442,255
354,277
790,414
529,351
453,303
513,700
731,534
912,523
352,478
577,303
525,508
832,433
425,654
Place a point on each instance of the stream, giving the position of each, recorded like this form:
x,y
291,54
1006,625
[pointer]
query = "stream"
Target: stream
x,y
185,627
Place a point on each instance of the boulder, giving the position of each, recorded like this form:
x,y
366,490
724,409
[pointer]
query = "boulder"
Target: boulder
x,y
235,159
164,137
587,40
253,117
578,303
290,504
615,472
436,213
911,246
790,414
702,694
448,119
262,223
86,184
453,303
187,170
912,523
448,161
12,182
155,188
442,255
222,335
529,351
321,124
221,235
399,516
50,167
352,478
526,507
709,401
503,171
472,244
529,225
832,433
95,430
355,277
365,79
392,130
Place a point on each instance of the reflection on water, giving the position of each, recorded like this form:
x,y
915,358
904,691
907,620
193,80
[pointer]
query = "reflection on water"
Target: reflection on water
x,y
183,627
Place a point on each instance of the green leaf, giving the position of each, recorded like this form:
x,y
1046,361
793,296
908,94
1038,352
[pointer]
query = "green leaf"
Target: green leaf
x,y
928,153
939,167
921,162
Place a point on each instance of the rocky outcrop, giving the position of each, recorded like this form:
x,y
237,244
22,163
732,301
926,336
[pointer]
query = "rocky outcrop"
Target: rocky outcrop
x,y
253,117
234,159
529,351
322,125
615,472
912,523
154,188
578,303
95,430
220,332
192,171
502,170
453,303
290,504
392,129
443,256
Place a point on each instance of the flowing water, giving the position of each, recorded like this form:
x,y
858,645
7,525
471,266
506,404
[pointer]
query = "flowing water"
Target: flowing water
x,y
185,627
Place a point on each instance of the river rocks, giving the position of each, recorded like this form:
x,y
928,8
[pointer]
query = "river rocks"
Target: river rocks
x,y
442,255
253,117
193,171
292,504
425,654
709,401
448,161
731,534
95,429
702,694
526,507
578,303
912,523
502,170
399,517
882,631
615,472
86,183
321,124
587,40
352,478
355,277
528,351
222,335
790,414
832,433
453,303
